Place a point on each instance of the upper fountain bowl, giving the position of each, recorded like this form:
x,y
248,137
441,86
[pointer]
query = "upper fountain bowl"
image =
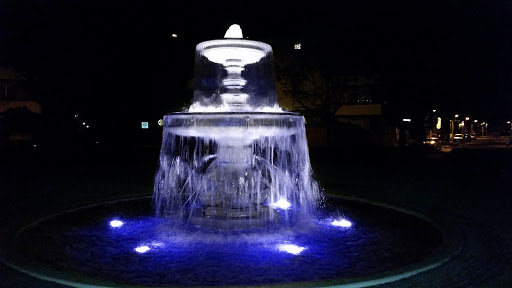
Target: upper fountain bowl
x,y
234,75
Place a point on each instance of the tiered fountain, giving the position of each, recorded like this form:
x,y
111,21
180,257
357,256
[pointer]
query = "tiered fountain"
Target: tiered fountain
x,y
235,155
235,202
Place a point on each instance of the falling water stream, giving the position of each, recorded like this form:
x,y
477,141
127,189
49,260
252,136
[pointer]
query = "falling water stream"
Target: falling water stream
x,y
235,201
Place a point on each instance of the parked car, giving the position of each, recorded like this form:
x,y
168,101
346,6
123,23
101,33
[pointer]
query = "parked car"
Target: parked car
x,y
432,143
458,137
472,136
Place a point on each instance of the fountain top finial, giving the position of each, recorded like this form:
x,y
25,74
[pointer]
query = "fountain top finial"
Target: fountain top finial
x,y
234,31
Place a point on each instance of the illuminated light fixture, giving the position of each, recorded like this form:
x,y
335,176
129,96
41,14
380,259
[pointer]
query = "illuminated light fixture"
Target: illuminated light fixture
x,y
290,248
297,46
281,204
160,122
174,35
76,115
87,126
116,223
342,223
83,123
142,249
467,118
406,120
144,125
475,121
508,122
456,115
434,110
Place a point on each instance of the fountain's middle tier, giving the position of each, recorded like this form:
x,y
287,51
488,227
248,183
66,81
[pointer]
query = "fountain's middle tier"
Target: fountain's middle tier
x,y
233,165
233,126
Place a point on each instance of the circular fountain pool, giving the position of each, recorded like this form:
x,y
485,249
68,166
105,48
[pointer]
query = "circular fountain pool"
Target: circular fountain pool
x,y
120,243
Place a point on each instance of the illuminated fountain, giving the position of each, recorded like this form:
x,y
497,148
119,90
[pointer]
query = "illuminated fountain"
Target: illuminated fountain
x,y
235,155
235,203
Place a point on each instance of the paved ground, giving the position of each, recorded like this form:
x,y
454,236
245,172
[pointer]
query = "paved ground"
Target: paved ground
x,y
468,187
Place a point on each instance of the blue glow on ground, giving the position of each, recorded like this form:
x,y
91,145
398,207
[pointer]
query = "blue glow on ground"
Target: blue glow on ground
x,y
116,223
161,252
155,251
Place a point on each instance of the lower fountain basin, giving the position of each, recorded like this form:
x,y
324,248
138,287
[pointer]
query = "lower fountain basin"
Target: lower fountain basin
x,y
80,247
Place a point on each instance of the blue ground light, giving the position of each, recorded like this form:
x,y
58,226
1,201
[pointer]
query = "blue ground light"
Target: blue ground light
x,y
152,251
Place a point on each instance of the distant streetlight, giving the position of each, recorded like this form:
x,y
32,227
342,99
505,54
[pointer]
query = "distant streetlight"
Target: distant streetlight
x,y
475,121
467,118
452,126
174,35
434,110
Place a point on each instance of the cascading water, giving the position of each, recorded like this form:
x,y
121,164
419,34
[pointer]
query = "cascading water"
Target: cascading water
x,y
234,161
235,155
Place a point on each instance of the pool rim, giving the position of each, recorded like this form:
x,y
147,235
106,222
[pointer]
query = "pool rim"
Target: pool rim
x,y
452,242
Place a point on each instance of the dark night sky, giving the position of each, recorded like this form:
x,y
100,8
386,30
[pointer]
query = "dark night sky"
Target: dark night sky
x,y
112,57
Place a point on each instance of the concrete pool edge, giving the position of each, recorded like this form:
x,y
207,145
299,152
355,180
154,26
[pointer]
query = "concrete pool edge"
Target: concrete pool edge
x,y
450,246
